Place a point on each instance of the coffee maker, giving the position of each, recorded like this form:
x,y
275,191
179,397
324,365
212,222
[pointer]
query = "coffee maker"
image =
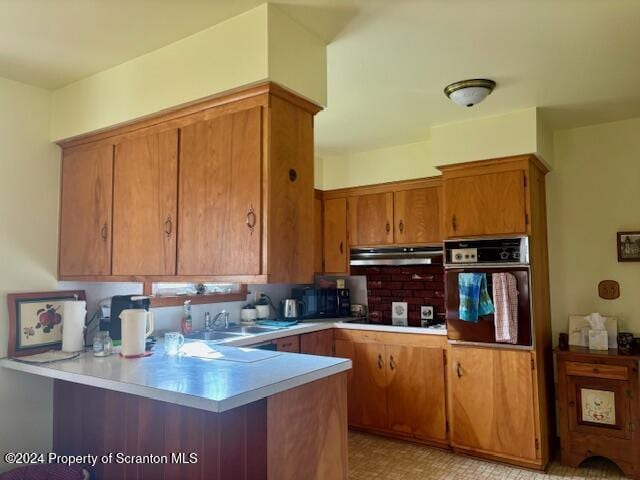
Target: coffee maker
x,y
120,303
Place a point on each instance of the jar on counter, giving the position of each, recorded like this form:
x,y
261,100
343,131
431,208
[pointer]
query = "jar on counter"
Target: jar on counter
x,y
102,344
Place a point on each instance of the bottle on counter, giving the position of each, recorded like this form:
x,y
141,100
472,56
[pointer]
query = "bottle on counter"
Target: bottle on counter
x,y
187,321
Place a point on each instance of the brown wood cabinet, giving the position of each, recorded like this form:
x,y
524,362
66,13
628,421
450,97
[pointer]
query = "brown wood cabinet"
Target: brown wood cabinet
x,y
317,343
217,191
86,211
598,401
492,402
220,205
145,203
289,344
488,199
371,219
318,254
417,215
336,249
397,384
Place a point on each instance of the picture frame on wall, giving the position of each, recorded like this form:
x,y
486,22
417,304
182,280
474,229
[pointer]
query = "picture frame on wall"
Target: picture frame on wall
x,y
36,319
628,246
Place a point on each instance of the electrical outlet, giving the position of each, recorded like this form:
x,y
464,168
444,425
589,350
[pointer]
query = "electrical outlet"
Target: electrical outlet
x,y
426,312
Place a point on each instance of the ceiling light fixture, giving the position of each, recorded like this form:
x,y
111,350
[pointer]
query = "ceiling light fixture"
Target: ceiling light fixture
x,y
467,93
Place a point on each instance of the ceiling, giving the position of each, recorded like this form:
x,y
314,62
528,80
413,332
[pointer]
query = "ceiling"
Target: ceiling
x,y
388,61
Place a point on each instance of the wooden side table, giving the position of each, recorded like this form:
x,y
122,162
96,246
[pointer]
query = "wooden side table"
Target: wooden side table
x,y
598,401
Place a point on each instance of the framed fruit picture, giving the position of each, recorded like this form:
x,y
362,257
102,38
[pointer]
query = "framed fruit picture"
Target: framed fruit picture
x,y
35,321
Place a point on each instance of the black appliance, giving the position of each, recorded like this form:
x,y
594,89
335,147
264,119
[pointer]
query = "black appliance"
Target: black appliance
x,y
323,302
364,257
487,256
120,303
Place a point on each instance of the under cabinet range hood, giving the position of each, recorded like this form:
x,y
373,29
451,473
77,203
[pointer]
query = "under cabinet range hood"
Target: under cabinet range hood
x,y
396,256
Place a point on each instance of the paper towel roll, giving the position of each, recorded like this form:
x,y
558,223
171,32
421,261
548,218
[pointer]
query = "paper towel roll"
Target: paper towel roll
x,y
73,318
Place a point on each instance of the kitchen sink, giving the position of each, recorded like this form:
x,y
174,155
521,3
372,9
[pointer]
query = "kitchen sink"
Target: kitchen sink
x,y
213,335
252,330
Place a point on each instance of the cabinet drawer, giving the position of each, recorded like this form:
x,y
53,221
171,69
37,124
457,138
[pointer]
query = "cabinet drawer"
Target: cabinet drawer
x,y
288,344
615,372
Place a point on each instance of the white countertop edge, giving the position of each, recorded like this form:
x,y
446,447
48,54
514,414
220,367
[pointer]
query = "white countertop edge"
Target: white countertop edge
x,y
390,328
177,398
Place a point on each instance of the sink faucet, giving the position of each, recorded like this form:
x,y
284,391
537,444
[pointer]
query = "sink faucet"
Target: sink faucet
x,y
217,321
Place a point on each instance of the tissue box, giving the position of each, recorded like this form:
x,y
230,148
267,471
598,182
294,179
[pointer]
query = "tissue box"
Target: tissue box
x,y
598,340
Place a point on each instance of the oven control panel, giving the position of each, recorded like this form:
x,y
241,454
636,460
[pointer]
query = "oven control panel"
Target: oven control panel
x,y
464,255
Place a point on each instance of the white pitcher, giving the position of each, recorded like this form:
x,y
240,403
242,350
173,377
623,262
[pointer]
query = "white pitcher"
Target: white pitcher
x,y
137,325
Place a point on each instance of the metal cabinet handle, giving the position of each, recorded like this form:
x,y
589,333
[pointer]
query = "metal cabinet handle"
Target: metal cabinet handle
x,y
454,223
380,361
387,227
103,231
401,226
341,247
458,369
168,226
392,363
251,219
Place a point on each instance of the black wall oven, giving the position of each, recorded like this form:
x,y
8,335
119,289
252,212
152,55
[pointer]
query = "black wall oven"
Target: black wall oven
x,y
487,256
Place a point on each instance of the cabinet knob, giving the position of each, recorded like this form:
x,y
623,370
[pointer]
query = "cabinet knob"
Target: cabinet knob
x,y
392,363
341,247
401,226
168,226
104,231
458,368
251,219
380,361
454,223
387,227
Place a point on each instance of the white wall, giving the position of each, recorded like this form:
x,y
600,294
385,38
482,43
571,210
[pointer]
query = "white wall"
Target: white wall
x,y
29,185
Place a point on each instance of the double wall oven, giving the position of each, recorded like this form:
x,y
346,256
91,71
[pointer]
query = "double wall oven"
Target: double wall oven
x,y
487,256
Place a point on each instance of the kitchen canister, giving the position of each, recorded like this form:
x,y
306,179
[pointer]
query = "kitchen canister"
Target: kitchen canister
x,y
74,313
248,313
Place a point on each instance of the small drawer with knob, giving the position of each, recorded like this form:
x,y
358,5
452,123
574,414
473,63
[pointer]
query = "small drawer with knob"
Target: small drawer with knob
x,y
613,372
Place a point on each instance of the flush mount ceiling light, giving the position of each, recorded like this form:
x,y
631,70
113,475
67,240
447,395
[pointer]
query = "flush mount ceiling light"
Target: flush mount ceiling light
x,y
467,93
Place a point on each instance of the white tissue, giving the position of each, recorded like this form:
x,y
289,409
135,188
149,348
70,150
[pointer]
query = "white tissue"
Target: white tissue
x,y
598,336
596,321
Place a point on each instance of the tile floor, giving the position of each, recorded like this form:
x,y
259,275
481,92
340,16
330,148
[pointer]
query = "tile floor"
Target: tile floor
x,y
378,458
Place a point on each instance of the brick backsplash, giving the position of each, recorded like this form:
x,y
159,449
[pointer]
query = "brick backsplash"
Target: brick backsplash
x,y
416,285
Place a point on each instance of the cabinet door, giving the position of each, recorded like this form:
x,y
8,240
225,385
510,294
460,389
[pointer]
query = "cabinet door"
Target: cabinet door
x,y
85,211
317,235
288,344
488,204
219,213
417,215
370,383
335,236
492,402
346,349
145,205
416,392
371,219
317,343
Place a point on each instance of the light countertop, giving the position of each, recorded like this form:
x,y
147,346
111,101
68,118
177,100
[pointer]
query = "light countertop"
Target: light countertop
x,y
234,377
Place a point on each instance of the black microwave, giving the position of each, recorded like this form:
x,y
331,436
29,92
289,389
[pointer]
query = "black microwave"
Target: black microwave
x,y
323,302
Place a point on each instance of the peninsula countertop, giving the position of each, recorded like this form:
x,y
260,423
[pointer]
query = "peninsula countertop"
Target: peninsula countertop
x,y
235,377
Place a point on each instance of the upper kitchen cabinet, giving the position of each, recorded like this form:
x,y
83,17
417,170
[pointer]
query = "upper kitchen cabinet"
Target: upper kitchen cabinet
x,y
220,195
488,198
371,219
318,254
417,215
216,191
145,198
336,249
86,210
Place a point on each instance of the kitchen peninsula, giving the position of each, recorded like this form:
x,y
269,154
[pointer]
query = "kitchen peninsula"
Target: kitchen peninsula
x,y
244,413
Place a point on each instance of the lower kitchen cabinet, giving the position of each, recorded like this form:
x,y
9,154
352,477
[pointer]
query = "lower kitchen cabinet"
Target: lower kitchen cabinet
x,y
317,343
415,392
397,384
492,406
288,344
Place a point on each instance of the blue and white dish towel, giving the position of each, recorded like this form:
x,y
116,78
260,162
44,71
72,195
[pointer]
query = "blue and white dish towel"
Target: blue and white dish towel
x,y
474,297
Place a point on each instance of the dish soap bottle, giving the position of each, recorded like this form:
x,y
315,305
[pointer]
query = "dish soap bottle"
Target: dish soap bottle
x,y
187,321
